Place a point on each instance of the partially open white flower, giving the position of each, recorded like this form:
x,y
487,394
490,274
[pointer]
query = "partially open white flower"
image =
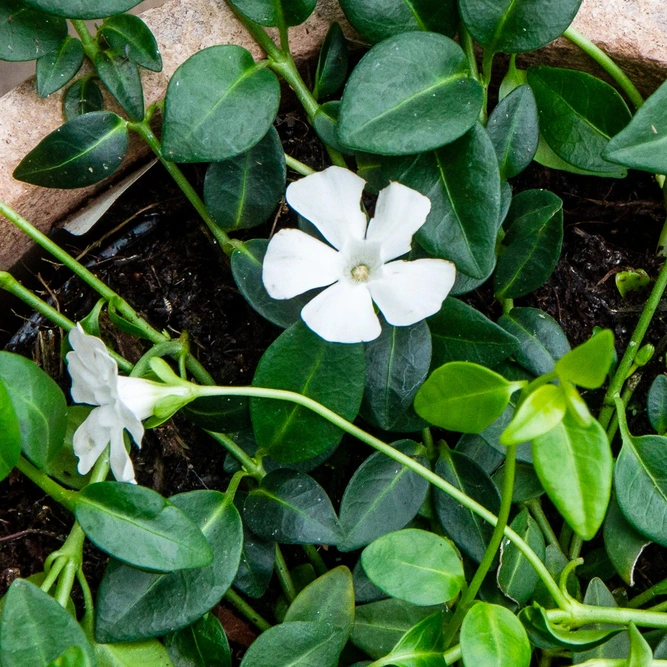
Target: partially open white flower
x,y
122,404
358,268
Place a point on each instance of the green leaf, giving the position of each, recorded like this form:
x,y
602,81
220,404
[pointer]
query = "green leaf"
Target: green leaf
x,y
74,656
296,644
83,9
332,64
527,485
516,576
256,566
533,243
542,411
541,340
219,103
397,364
35,629
464,397
421,646
134,604
10,432
26,34
493,636
39,405
574,464
202,644
273,13
588,364
641,654
123,80
57,68
514,26
513,128
578,116
83,96
220,414
656,404
146,654
83,151
138,526
325,123
462,333
415,566
301,361
382,496
470,532
409,94
243,192
129,35
291,508
376,20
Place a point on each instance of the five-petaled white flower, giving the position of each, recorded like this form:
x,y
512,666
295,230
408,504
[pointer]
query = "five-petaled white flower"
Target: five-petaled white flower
x,y
358,268
122,404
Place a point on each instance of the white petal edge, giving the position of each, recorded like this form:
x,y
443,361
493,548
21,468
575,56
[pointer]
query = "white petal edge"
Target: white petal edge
x,y
343,313
409,292
296,262
400,211
91,438
121,463
331,200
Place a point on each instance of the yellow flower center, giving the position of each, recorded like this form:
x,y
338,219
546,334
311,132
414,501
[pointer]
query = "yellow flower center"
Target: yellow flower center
x,y
360,273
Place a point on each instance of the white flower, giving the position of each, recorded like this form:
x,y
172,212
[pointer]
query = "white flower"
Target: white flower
x,y
359,271
122,404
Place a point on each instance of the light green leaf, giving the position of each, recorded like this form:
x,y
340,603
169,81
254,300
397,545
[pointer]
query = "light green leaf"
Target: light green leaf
x,y
588,364
131,654
10,433
542,411
641,654
421,646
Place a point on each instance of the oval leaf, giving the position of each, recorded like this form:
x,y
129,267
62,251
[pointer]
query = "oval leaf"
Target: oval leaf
x,y
203,644
129,35
256,566
83,96
57,68
656,404
332,64
10,433
588,364
83,9
26,34
273,13
121,77
543,410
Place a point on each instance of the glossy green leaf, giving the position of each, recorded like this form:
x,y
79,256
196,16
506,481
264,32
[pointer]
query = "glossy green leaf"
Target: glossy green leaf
x,y
364,589
376,20
397,363
470,532
274,12
476,448
542,411
533,243
147,654
35,629
291,508
82,152
202,644
27,34
134,604
219,104
123,80
409,94
588,364
300,361
574,464
332,64
517,578
129,35
464,397
243,192
83,96
57,68
514,26
493,636
578,116
555,561
74,656
576,405
382,496
220,414
10,432
514,130
256,566
656,404
641,145
641,654
541,340
421,646
415,566
39,405
325,123
527,485
83,9
462,333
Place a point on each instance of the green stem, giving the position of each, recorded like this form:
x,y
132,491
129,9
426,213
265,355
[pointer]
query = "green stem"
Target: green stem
x,y
241,605
52,574
43,481
468,47
470,593
452,655
90,46
258,34
565,537
575,547
88,620
315,559
487,71
535,508
284,576
659,607
171,348
632,384
299,167
72,552
251,466
582,614
600,57
640,600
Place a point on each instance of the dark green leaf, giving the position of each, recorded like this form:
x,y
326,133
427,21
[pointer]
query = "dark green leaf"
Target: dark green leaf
x,y
83,9
533,241
202,644
656,404
129,35
578,116
382,496
332,64
220,414
274,12
476,448
64,466
10,432
256,566
123,80
527,485
26,34
84,151
588,364
39,405
83,96
301,361
364,589
376,20
421,646
325,123
243,192
219,103
555,562
292,508
409,94
470,532
57,68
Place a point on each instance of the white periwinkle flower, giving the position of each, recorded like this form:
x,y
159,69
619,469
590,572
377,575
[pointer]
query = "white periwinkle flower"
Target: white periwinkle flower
x,y
358,268
122,404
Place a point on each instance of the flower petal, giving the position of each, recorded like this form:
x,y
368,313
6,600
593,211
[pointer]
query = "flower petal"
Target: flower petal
x,y
91,438
121,463
343,313
331,200
296,262
409,292
400,211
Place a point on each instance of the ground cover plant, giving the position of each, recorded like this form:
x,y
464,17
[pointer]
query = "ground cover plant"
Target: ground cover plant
x,y
460,538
